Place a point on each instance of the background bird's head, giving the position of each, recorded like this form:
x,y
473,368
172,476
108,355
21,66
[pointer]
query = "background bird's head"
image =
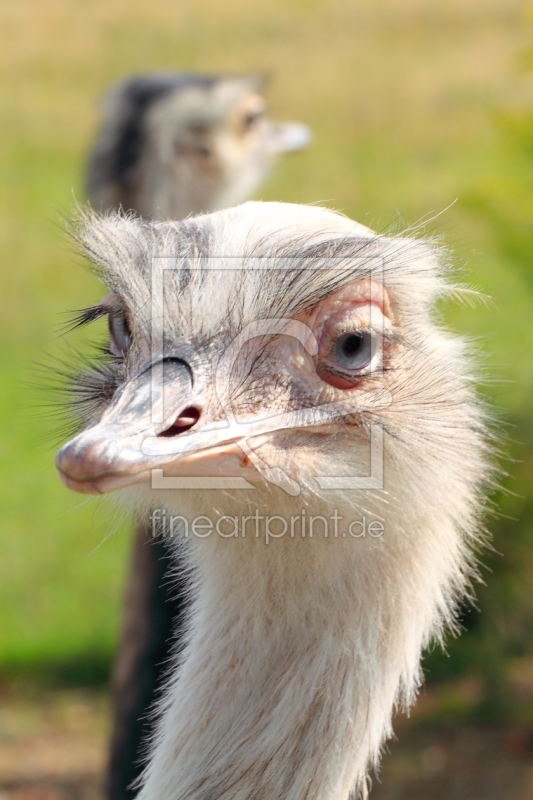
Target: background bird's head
x,y
174,144
278,343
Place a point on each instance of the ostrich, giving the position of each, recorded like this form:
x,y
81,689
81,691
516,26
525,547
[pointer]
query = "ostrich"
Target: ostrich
x,y
171,145
282,355
175,144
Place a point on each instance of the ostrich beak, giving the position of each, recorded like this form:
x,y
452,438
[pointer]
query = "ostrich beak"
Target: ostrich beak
x,y
288,137
108,454
148,426
151,424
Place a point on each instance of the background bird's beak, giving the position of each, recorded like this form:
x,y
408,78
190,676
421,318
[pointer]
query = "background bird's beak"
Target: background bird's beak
x,y
290,136
108,455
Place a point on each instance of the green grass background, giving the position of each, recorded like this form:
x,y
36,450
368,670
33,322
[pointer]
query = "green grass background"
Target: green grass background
x,y
414,104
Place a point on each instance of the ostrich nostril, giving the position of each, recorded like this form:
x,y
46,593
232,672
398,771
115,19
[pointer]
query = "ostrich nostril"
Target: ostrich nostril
x,y
186,420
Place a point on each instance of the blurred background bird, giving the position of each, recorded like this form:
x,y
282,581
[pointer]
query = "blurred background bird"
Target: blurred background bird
x,y
172,145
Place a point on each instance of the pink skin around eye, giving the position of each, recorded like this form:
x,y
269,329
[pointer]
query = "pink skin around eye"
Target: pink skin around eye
x,y
351,304
358,293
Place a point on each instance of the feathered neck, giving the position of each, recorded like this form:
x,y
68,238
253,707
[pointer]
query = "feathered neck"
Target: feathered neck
x,y
298,649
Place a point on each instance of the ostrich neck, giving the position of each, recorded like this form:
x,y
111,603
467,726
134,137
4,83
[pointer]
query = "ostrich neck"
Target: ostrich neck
x,y
288,681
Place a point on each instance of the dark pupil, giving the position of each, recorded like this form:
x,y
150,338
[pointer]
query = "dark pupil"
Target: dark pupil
x,y
351,344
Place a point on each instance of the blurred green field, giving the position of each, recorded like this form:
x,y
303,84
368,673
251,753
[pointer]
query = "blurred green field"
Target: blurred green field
x,y
414,104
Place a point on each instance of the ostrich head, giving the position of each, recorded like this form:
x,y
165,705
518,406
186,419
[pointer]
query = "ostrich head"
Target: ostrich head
x,y
174,144
269,364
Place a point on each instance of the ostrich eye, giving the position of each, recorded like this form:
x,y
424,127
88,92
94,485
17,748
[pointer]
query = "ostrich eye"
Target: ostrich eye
x,y
251,119
120,333
349,357
354,351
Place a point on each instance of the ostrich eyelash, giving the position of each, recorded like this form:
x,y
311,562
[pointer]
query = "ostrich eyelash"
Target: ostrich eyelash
x,y
82,317
386,334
